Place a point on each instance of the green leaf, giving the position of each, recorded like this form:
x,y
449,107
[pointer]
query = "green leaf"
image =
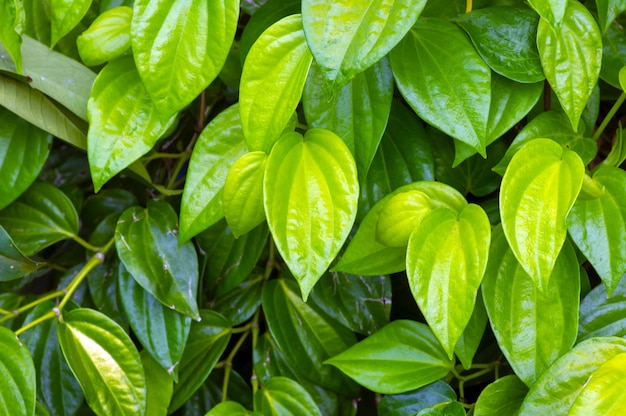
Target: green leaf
x,y
357,112
219,145
13,263
65,15
506,38
613,55
283,396
445,80
446,259
242,302
146,242
160,330
228,409
571,57
553,11
366,256
598,226
40,217
159,385
207,341
347,37
603,315
243,193
124,122
400,216
468,344
310,194
107,38
11,30
567,377
17,396
502,397
410,403
180,47
402,356
517,309
306,337
105,361
608,10
538,190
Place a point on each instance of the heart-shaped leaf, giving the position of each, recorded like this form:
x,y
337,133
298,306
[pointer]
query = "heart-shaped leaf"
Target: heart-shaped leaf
x,y
107,38
281,395
400,216
17,372
502,397
64,16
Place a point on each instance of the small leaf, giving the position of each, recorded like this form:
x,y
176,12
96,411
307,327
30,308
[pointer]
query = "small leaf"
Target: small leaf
x,y
146,242
11,30
602,315
13,263
608,10
281,396
605,391
502,397
410,403
65,15
310,195
228,409
553,11
17,372
402,356
107,38
400,216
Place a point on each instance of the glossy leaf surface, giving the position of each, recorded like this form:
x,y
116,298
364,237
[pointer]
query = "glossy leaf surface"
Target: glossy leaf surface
x,y
553,11
13,263
602,315
400,217
65,15
159,384
282,396
502,397
467,346
412,402
11,30
608,10
107,38
17,396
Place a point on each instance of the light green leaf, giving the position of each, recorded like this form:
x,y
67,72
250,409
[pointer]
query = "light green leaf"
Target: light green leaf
x,y
243,193
347,37
605,391
228,409
468,344
159,384
219,145
402,356
13,263
571,57
64,16
180,47
17,372
124,122
517,309
272,81
444,79
538,189
105,361
146,242
446,259
603,315
503,397
311,193
608,10
617,155
400,216
107,38
11,30
553,11
283,396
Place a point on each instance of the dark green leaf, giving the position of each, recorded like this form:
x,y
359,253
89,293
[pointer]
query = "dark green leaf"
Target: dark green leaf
x,y
17,372
603,315
613,54
159,385
469,342
410,403
282,396
503,397
13,263
608,10
242,302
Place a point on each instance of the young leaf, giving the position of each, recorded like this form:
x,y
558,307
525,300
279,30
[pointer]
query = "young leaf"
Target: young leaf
x,y
605,391
146,242
159,384
219,145
347,37
538,189
107,38
17,372
502,397
228,409
272,82
602,315
552,11
282,396
402,356
446,259
445,80
11,30
105,361
400,216
411,403
64,16
310,194
571,57
180,47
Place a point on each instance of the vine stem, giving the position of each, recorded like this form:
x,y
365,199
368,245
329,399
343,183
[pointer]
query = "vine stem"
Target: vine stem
x,y
255,338
468,6
48,296
483,369
609,116
228,364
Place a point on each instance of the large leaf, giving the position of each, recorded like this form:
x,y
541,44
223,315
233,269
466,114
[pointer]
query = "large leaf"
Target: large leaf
x,y
17,372
571,57
219,145
281,396
347,37
147,243
402,356
272,81
64,16
517,309
107,38
124,122
412,402
502,397
445,80
310,194
445,261
160,386
603,315
538,189
105,361
358,112
180,47
11,30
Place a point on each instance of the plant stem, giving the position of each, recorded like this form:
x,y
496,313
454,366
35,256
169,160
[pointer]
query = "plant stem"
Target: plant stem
x,y
468,6
50,315
609,116
47,296
255,338
228,365
84,243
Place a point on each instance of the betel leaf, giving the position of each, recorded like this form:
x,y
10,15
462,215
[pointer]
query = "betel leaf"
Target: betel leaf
x,y
598,226
146,242
357,112
552,11
228,409
603,315
243,193
446,259
445,80
538,190
160,330
347,37
41,216
571,58
282,396
239,304
402,356
64,16
517,309
180,47
11,30
613,54
13,263
311,193
366,256
400,216
124,122
506,38
608,10
105,361
468,344
107,38
159,384
219,145
272,81
412,402
567,377
17,372
503,397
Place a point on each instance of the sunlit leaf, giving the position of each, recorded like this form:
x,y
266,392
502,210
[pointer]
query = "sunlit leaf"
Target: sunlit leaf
x,y
11,30
17,372
281,395
65,15
107,38
502,397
